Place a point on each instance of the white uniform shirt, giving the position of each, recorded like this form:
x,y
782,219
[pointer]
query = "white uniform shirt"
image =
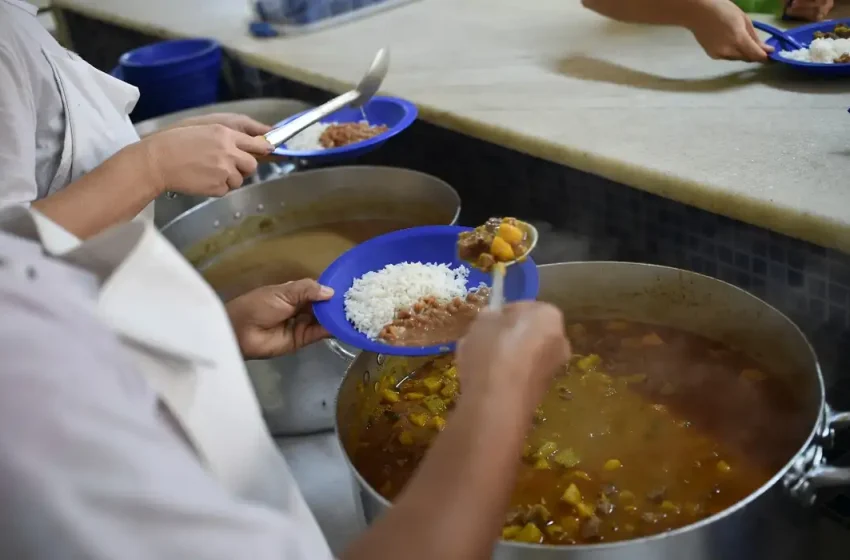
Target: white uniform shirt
x,y
93,464
59,117
31,112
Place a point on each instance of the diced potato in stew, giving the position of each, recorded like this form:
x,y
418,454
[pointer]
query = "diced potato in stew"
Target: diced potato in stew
x,y
499,240
648,429
567,458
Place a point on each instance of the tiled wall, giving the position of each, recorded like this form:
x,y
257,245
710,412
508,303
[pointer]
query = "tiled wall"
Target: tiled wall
x,y
589,218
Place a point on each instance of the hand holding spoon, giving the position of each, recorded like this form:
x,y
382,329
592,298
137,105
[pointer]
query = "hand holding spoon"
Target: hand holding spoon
x,y
788,40
498,244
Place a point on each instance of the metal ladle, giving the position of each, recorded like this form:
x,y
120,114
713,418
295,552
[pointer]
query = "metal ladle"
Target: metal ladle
x,y
363,92
497,291
779,34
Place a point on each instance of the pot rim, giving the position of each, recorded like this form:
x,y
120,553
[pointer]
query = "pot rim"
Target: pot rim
x,y
770,483
343,169
338,347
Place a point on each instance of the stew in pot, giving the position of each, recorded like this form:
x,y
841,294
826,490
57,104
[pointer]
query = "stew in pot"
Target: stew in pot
x,y
280,258
647,430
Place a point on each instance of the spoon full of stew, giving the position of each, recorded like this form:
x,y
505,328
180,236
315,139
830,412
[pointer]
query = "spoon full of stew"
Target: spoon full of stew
x,y
493,247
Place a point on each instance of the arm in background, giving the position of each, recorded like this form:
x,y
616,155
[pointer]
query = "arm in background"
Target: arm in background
x,y
722,29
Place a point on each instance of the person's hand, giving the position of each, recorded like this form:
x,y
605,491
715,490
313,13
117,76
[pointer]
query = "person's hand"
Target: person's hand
x,y
725,32
275,320
517,350
233,121
204,160
810,10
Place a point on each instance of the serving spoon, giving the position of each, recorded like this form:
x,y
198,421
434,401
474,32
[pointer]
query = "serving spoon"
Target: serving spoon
x,y
497,291
362,93
779,34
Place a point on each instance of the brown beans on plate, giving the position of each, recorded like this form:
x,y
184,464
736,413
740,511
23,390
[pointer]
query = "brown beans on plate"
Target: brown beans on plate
x,y
431,321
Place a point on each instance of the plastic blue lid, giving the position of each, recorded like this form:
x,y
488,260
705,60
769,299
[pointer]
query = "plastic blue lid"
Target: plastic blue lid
x,y
428,244
169,52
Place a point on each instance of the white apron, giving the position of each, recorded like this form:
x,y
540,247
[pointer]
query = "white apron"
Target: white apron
x,y
175,328
97,124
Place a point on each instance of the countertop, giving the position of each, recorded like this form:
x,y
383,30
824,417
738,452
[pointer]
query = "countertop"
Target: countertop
x,y
640,105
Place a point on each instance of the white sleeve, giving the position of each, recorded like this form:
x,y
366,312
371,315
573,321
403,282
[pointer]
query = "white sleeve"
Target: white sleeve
x,y
88,467
17,131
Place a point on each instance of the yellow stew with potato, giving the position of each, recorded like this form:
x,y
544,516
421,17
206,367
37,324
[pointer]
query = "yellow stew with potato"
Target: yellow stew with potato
x,y
498,240
647,430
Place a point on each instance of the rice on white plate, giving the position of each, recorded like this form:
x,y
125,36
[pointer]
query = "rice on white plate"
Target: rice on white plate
x,y
373,299
824,51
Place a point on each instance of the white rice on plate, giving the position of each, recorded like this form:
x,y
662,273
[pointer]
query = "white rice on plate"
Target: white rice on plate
x,y
824,51
373,299
308,139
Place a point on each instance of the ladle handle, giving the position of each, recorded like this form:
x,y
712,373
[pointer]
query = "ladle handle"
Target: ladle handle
x,y
279,135
779,34
497,292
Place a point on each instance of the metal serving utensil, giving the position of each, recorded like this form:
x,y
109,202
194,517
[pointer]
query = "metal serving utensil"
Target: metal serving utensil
x,y
781,35
497,291
411,374
363,92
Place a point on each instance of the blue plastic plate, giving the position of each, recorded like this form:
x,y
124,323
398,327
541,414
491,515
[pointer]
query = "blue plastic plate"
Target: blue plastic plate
x,y
397,114
805,34
428,244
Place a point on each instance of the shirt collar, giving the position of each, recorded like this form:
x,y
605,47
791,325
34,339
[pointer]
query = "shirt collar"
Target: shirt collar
x,y
148,293
23,5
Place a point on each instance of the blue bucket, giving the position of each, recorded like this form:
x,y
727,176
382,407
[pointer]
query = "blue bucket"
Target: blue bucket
x,y
172,75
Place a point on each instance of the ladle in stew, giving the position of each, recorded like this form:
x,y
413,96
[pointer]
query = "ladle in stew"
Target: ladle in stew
x,y
493,247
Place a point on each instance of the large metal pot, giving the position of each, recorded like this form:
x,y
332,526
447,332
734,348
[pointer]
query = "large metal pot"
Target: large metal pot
x,y
698,304
296,392
265,110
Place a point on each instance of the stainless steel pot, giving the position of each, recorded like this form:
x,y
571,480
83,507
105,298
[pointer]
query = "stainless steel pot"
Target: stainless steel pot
x,y
691,302
266,110
296,392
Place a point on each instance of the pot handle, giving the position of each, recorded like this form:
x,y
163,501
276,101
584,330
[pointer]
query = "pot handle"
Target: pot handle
x,y
839,420
810,471
339,350
826,476
278,170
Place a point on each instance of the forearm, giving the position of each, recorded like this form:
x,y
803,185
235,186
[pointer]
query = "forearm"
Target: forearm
x,y
659,12
454,506
114,192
